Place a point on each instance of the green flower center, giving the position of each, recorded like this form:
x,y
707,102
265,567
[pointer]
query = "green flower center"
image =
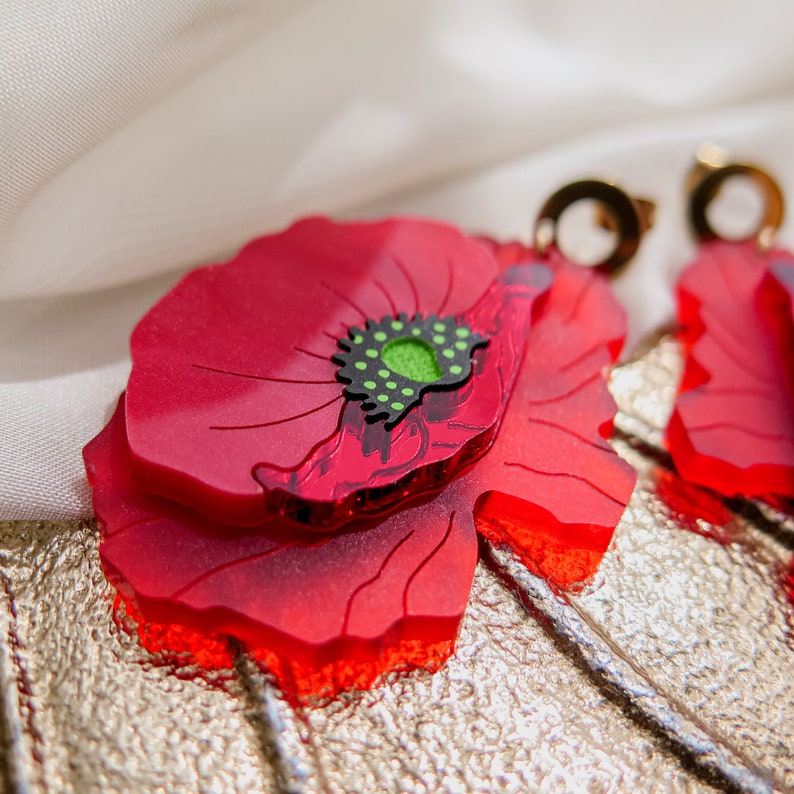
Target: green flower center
x,y
412,358
390,364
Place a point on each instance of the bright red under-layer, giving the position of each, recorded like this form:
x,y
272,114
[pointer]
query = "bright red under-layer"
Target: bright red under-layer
x,y
193,653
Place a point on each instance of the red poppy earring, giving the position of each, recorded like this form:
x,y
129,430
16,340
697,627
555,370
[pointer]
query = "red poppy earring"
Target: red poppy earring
x,y
732,428
313,432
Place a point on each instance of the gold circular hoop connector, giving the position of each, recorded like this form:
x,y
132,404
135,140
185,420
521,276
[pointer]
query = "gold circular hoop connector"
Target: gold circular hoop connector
x,y
706,178
628,217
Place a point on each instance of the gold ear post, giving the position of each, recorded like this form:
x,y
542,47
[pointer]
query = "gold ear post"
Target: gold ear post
x,y
629,218
704,182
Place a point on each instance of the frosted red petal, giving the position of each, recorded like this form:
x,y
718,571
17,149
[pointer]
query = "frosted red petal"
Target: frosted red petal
x,y
309,598
554,489
233,405
732,429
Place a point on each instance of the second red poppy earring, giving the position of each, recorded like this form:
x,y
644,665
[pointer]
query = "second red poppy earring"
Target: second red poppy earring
x,y
732,428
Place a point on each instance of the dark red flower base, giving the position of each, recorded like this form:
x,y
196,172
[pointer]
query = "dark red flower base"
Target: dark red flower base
x,y
732,429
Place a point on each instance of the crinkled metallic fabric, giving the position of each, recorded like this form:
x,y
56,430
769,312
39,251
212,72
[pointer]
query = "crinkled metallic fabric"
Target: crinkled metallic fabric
x,y
671,672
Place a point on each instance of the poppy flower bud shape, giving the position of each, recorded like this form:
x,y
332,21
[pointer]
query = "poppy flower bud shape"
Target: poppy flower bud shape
x,y
309,430
391,364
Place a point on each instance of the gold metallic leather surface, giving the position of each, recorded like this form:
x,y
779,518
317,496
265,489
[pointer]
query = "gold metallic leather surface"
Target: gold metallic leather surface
x,y
671,672
86,709
510,712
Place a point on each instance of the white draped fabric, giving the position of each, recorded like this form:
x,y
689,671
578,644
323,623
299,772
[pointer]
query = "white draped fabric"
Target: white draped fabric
x,y
140,139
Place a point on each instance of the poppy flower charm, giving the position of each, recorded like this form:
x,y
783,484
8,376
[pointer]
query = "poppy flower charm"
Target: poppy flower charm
x,y
296,461
732,429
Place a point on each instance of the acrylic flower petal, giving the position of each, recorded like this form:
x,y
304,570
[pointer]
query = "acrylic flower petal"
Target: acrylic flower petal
x,y
554,489
732,429
233,368
776,303
309,598
435,441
